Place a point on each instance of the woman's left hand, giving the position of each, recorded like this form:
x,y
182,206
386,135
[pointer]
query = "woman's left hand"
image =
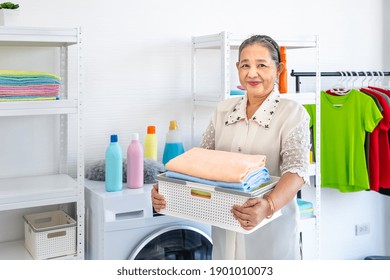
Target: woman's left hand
x,y
251,213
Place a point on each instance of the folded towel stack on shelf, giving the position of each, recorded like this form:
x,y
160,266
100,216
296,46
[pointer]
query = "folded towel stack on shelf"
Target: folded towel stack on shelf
x,y
305,208
219,168
19,85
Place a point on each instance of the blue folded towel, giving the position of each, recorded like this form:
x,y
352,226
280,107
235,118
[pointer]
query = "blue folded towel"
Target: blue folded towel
x,y
250,182
12,81
303,204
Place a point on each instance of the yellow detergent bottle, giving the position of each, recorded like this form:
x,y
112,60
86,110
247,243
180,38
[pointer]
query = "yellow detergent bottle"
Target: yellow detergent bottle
x,y
150,143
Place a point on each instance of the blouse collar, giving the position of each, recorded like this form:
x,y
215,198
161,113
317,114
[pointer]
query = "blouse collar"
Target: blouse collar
x,y
262,116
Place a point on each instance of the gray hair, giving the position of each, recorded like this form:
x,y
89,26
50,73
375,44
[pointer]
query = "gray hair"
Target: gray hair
x,y
265,41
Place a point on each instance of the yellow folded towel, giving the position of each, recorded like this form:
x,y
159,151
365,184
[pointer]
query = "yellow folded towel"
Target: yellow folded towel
x,y
216,165
27,73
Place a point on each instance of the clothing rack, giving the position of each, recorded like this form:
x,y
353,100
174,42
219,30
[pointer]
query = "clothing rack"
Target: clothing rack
x,y
298,75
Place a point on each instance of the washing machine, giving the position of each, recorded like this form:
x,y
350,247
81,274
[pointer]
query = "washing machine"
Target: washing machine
x,y
122,225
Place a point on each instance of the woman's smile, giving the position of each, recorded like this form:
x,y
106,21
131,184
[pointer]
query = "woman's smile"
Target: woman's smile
x,y
253,83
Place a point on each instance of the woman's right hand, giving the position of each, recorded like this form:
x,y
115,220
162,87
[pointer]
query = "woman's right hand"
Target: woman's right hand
x,y
158,200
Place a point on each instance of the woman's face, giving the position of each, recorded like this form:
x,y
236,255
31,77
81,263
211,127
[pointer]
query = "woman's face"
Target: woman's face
x,y
257,71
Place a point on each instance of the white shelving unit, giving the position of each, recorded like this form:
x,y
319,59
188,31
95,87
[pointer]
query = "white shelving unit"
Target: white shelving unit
x,y
61,189
224,43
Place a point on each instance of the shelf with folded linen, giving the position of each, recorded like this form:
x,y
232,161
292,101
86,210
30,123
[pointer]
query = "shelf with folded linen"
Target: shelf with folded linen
x,y
22,85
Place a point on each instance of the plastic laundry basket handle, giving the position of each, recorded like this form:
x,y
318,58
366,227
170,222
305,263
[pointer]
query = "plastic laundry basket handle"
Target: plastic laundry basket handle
x,y
201,194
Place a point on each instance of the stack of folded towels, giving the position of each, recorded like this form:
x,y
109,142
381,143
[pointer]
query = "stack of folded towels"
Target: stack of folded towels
x,y
305,208
19,85
219,168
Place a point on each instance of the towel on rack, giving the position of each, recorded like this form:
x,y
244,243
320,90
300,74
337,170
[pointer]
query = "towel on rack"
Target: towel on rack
x,y
54,94
22,85
26,81
30,88
27,78
303,204
27,93
10,94
26,98
26,73
216,165
250,182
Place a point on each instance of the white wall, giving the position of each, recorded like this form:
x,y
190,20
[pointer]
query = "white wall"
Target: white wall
x,y
137,72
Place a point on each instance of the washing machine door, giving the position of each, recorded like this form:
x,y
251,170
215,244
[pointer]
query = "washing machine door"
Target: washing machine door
x,y
174,243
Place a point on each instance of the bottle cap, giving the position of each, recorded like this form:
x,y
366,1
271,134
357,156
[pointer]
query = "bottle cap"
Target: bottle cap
x,y
114,138
135,136
172,125
151,129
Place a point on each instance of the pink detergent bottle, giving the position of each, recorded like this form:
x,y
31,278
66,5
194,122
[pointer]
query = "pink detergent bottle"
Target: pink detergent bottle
x,y
135,163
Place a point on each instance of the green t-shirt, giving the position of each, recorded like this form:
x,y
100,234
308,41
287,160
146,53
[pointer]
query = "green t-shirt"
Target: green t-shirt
x,y
344,123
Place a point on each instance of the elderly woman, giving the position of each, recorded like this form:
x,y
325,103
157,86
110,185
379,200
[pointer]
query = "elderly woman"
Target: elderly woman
x,y
260,122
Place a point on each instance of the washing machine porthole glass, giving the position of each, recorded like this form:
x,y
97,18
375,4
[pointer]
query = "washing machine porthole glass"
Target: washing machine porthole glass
x,y
174,243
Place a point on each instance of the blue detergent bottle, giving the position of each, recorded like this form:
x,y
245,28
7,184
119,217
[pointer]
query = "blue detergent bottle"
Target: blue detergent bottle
x,y
173,144
113,165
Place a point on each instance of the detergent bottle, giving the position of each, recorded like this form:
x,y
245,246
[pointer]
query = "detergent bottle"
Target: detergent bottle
x,y
283,74
150,143
173,143
113,165
135,163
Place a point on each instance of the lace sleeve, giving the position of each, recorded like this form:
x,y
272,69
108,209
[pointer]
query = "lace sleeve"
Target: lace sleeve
x,y
296,150
208,139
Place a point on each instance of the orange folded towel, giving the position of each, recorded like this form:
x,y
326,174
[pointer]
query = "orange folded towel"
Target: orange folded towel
x,y
216,165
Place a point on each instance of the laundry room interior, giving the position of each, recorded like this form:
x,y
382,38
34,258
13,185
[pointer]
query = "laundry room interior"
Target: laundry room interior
x,y
134,71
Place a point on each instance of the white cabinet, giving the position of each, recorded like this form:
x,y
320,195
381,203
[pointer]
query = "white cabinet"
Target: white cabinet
x,y
214,79
60,188
307,229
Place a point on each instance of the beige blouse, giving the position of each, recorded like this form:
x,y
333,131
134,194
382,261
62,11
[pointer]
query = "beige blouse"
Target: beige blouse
x,y
279,129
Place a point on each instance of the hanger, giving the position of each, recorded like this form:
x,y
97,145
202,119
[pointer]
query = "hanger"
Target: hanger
x,y
375,79
365,78
339,88
349,79
372,75
355,79
379,79
382,79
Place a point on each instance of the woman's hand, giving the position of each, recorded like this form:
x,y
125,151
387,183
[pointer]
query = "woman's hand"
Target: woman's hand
x,y
251,213
158,200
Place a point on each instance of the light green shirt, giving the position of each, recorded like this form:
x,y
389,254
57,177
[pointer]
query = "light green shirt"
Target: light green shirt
x,y
345,120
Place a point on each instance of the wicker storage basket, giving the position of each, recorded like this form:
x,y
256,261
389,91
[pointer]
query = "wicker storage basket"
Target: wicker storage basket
x,y
50,234
208,204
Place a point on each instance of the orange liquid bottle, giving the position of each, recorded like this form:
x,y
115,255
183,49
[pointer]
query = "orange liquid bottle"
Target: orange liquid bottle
x,y
283,74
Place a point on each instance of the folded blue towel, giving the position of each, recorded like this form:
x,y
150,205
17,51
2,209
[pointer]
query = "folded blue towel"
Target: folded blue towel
x,y
237,92
250,182
307,215
11,81
303,204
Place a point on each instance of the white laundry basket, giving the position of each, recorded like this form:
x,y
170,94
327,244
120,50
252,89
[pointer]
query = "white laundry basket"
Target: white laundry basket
x,y
208,204
50,234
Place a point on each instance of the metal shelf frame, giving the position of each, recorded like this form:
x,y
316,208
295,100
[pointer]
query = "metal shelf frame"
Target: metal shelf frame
x,y
53,189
